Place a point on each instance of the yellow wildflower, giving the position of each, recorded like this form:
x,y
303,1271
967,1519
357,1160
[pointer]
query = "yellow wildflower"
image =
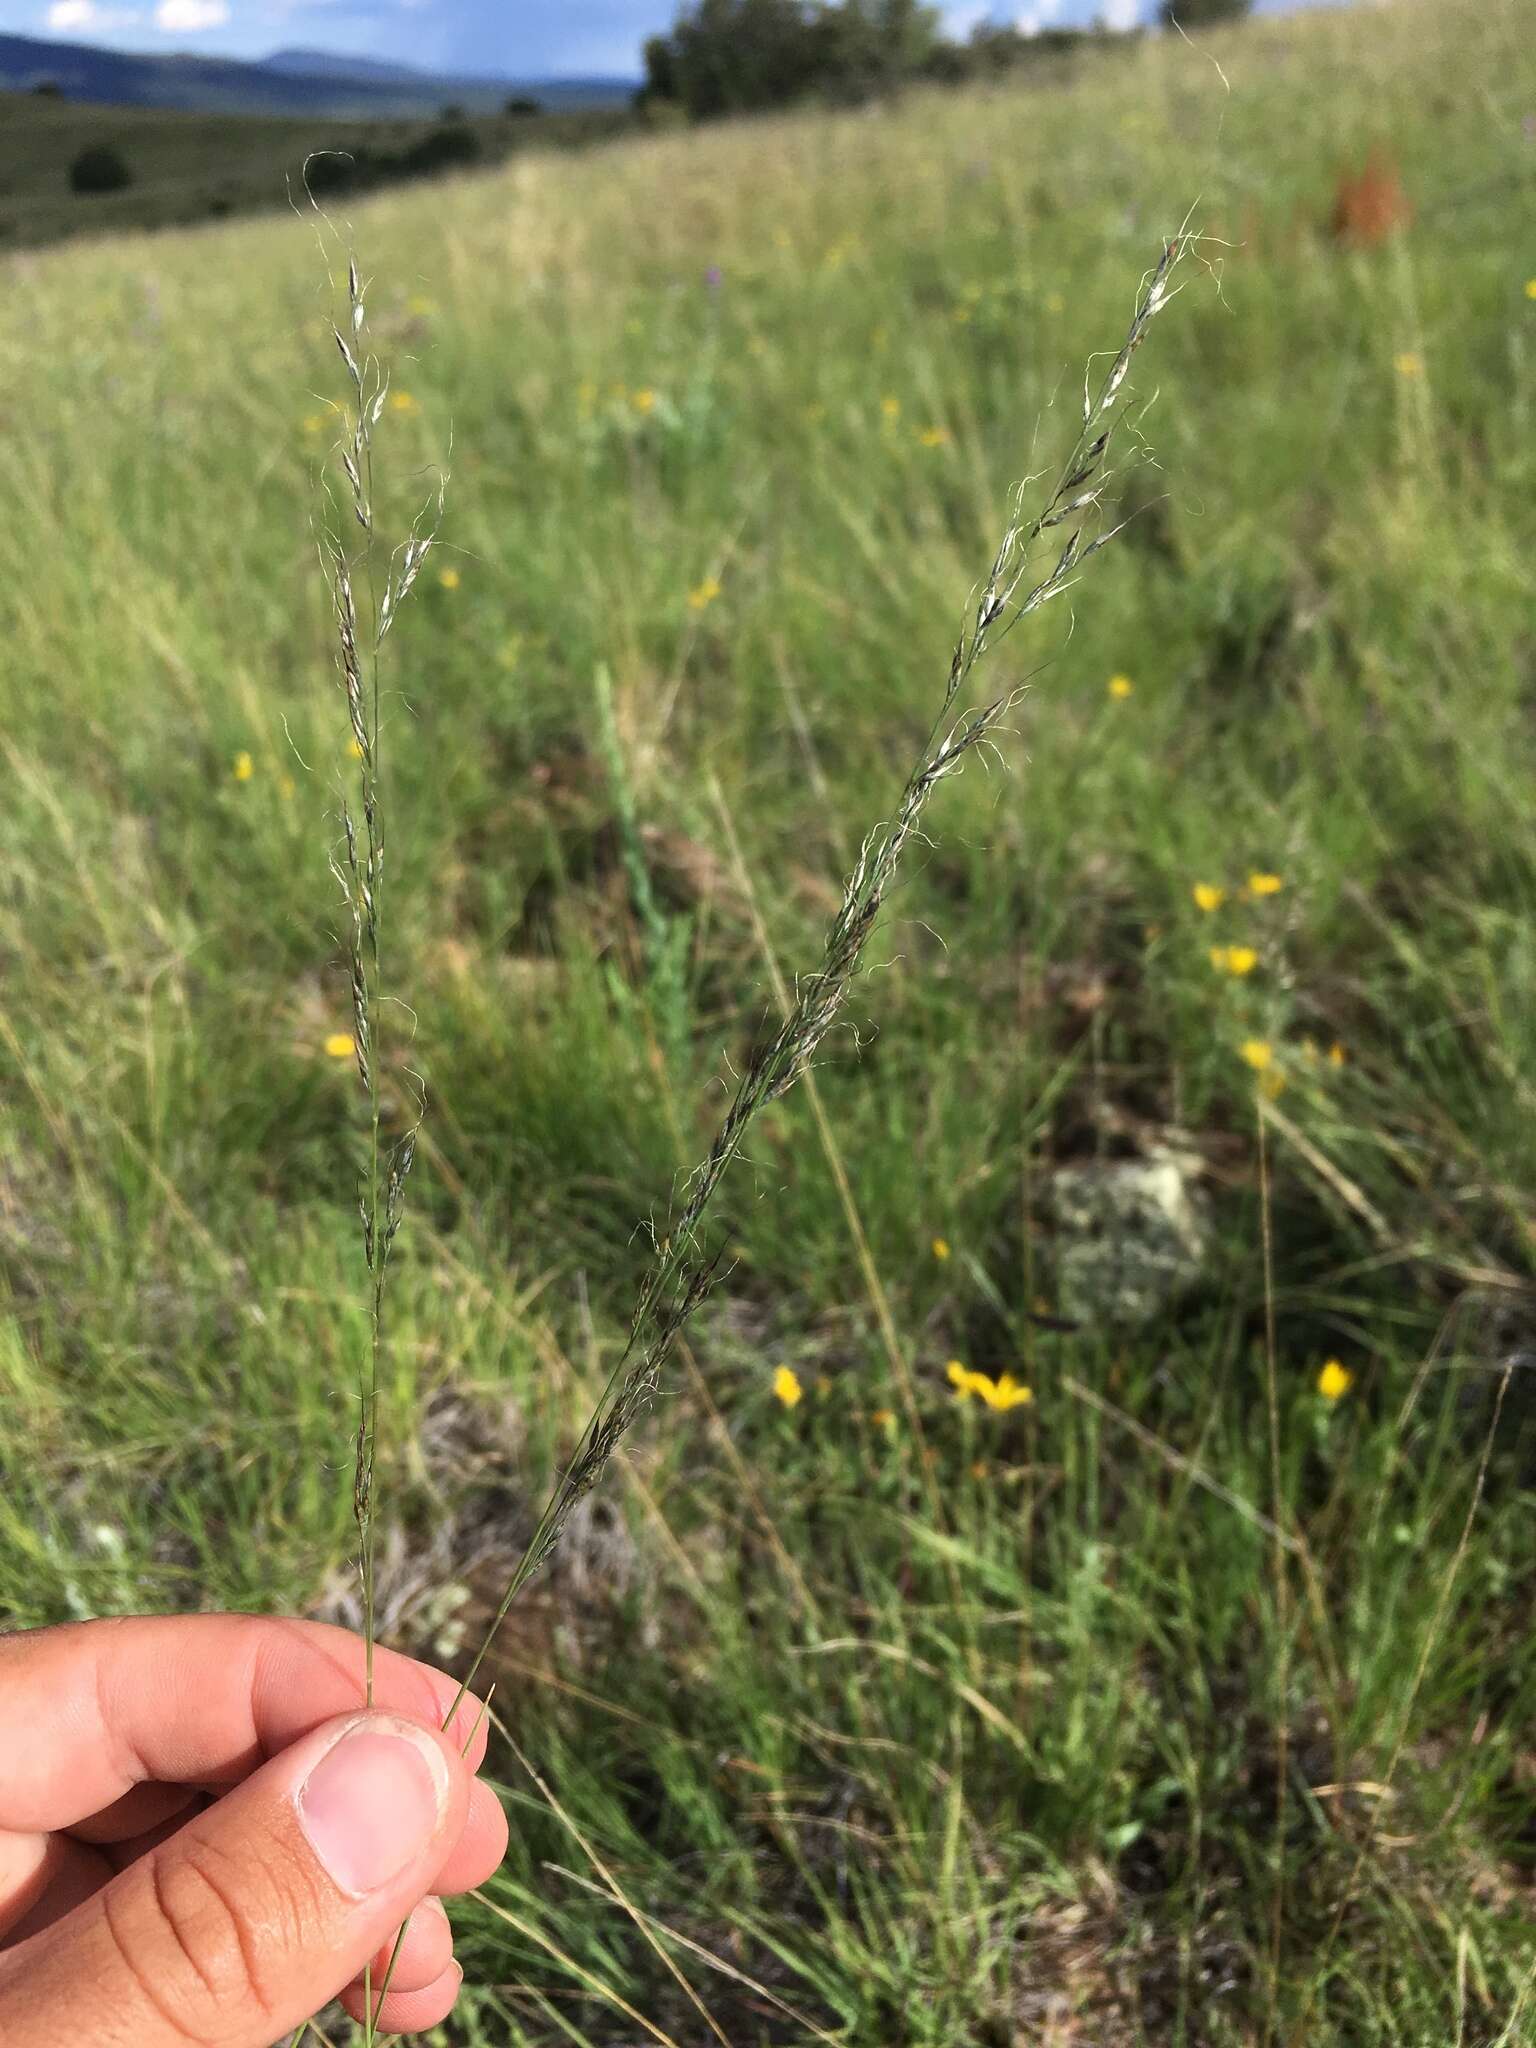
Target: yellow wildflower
x,y
449,578
1208,896
787,1387
420,308
314,423
883,1418
1409,363
1334,1381
999,1394
354,751
340,1045
703,595
941,1249
1004,1392
644,401
1336,1054
891,407
935,437
243,767
1121,687
1265,885
1530,287
1258,1052
404,403
1237,960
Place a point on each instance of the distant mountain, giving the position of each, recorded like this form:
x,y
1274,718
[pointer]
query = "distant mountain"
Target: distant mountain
x,y
336,64
343,88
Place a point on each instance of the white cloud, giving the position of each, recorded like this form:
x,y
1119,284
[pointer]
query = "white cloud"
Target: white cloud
x,y
1030,20
1121,15
190,17
87,17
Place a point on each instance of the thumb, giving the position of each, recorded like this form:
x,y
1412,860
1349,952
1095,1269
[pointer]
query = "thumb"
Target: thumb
x,y
253,1915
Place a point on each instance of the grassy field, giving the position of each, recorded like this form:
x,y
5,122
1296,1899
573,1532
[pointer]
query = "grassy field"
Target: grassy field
x,y
1192,1701
191,168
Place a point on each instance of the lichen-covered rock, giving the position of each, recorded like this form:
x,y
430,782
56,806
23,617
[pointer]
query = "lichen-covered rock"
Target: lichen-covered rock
x,y
1130,1238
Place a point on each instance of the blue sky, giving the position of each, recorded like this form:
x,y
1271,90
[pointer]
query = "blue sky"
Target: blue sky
x,y
509,38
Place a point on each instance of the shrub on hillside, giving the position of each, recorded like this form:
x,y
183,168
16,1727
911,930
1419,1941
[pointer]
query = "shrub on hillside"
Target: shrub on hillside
x,y
100,168
334,170
443,149
1201,13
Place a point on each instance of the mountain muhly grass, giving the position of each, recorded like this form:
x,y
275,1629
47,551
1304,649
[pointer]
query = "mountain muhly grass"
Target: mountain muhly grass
x,y
683,1270
360,875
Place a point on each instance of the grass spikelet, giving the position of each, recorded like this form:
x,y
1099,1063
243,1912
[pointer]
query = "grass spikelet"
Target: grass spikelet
x,y
683,1272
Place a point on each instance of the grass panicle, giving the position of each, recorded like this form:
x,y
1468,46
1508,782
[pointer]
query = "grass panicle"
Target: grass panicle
x,y
683,1273
360,873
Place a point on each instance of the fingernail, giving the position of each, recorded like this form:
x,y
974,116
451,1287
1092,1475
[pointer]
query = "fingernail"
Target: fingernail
x,y
373,1801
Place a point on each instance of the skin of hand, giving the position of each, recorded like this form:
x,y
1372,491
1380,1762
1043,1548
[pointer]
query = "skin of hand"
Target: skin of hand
x,y
205,1834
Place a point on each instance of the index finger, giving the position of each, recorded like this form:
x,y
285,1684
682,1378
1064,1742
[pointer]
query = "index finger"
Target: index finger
x,y
96,1707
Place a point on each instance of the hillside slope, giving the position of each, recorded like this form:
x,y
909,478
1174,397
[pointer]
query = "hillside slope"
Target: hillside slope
x,y
187,169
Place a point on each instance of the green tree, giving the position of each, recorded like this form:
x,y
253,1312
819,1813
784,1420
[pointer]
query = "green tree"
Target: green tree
x,y
100,168
1201,13
730,56
873,45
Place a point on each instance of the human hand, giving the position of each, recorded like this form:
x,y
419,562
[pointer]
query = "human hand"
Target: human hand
x,y
205,1836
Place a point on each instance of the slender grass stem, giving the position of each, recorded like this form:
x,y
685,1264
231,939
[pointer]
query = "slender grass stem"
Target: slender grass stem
x,y
1019,584
1281,1574
360,639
